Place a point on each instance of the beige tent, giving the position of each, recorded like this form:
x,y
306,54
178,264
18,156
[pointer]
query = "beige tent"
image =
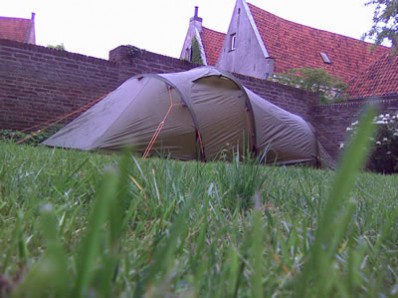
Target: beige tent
x,y
199,114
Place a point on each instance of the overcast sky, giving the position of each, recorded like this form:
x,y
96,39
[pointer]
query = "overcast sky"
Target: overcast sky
x,y
95,27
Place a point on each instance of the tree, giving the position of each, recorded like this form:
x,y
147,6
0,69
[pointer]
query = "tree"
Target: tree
x,y
385,22
195,52
59,47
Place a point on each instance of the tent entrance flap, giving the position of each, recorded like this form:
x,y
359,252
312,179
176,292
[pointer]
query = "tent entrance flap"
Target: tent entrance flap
x,y
223,118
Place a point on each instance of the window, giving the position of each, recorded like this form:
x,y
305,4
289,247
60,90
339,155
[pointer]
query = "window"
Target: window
x,y
233,42
325,58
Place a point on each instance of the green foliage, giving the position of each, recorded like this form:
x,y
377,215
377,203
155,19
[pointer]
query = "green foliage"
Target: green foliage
x,y
84,224
196,56
13,135
384,157
385,22
317,80
59,47
32,138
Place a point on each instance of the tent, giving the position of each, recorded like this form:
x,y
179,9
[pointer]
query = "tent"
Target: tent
x,y
201,114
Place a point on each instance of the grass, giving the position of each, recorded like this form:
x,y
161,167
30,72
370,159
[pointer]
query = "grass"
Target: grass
x,y
77,224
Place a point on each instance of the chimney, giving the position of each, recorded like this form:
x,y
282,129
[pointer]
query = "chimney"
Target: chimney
x,y
196,20
31,34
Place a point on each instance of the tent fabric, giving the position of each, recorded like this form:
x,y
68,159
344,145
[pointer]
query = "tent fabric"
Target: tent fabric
x,y
198,114
282,133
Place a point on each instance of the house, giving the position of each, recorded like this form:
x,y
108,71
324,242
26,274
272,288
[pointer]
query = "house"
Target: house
x,y
17,29
208,42
260,44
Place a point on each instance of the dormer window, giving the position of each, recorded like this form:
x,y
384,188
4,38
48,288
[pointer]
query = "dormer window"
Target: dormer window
x,y
325,58
233,41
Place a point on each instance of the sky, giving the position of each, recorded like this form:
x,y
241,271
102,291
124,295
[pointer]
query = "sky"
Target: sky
x,y
94,28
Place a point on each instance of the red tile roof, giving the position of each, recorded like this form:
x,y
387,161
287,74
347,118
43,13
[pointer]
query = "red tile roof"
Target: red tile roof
x,y
16,29
212,42
380,79
294,45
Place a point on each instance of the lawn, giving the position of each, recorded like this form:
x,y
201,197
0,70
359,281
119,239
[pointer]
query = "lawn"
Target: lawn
x,y
102,225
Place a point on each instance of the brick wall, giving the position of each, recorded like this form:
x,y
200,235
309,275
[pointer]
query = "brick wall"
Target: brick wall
x,y
131,61
331,121
39,85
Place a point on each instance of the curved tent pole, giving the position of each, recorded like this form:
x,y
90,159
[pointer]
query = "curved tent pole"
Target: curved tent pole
x,y
161,124
202,147
253,147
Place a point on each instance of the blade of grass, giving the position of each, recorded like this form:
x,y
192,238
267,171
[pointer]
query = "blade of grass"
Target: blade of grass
x,y
91,243
16,244
118,205
330,228
257,246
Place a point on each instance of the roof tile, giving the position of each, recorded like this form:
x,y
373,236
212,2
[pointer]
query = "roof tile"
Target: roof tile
x,y
212,42
380,79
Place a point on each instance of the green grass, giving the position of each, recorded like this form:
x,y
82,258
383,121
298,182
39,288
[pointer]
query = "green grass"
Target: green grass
x,y
93,225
